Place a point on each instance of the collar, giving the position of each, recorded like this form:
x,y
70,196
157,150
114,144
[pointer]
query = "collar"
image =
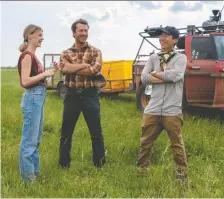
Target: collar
x,y
166,56
169,52
82,46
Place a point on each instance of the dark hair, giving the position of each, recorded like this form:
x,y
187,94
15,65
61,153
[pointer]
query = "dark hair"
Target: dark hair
x,y
82,21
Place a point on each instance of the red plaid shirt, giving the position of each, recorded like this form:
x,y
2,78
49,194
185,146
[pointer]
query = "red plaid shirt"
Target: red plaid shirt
x,y
90,55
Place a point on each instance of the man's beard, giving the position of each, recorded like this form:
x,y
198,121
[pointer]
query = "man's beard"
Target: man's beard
x,y
82,41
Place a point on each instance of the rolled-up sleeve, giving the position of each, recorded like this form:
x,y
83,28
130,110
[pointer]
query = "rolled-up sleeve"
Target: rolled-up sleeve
x,y
97,62
146,76
177,71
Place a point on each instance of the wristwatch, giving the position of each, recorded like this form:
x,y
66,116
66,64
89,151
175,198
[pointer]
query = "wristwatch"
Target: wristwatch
x,y
153,73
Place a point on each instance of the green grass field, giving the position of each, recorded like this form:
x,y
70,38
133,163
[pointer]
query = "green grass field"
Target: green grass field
x,y
204,141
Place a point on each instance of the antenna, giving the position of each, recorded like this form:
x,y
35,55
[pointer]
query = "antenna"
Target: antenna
x,y
217,14
220,13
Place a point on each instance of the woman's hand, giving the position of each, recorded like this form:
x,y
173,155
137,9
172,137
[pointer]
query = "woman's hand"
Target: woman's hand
x,y
61,65
50,72
55,66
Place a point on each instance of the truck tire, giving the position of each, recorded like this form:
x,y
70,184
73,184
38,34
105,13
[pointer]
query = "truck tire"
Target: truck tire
x,y
62,90
142,100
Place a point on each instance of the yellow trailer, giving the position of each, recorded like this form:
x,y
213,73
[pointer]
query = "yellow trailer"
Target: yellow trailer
x,y
118,74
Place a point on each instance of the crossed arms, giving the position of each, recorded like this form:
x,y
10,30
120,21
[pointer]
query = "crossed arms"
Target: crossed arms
x,y
174,74
82,68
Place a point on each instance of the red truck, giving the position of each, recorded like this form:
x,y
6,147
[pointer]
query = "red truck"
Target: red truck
x,y
204,75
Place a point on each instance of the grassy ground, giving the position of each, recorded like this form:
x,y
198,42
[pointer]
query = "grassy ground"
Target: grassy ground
x,y
204,141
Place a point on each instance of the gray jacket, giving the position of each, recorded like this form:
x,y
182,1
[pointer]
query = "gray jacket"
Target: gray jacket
x,y
166,98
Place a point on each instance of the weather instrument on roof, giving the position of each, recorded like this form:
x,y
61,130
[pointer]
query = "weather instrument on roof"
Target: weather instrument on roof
x,y
214,22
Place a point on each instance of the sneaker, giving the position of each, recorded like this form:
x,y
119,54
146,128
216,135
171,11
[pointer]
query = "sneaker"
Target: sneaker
x,y
142,170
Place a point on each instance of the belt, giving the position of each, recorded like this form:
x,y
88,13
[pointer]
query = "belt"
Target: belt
x,y
79,91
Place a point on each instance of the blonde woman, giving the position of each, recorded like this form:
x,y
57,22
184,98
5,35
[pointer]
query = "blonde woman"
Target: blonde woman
x,y
32,78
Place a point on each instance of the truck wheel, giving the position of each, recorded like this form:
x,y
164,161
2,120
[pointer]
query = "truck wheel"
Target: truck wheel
x,y
62,90
142,99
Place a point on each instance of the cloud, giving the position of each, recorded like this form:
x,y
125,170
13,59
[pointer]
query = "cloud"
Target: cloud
x,y
91,15
114,25
122,11
104,18
211,2
146,4
180,6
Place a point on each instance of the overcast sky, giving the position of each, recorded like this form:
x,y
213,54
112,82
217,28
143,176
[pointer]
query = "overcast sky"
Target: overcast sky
x,y
114,25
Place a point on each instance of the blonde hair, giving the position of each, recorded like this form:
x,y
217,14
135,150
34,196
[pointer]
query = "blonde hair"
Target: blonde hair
x,y
30,29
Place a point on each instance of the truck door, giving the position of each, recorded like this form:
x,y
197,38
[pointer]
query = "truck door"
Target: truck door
x,y
199,83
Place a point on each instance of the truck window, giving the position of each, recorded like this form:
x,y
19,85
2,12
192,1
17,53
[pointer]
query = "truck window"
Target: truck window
x,y
219,43
201,48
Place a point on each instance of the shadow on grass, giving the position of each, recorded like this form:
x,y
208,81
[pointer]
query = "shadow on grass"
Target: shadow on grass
x,y
206,113
127,97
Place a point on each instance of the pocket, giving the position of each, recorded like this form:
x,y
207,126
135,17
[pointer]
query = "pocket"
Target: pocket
x,y
70,94
180,116
22,104
38,92
39,96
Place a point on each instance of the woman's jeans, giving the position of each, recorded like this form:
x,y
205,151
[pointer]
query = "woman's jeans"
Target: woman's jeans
x,y
32,106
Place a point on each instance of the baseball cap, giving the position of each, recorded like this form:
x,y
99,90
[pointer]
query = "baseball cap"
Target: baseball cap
x,y
170,30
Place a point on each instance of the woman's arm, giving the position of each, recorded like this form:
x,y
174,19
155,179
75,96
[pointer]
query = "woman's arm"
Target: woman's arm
x,y
26,80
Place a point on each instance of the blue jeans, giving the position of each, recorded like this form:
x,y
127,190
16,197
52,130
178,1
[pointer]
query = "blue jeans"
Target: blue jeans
x,y
32,105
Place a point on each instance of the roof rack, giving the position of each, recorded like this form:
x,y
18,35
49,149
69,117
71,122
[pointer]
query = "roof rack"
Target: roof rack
x,y
206,29
189,30
201,30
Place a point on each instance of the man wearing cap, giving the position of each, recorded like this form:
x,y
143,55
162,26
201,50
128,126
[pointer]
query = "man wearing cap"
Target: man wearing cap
x,y
165,71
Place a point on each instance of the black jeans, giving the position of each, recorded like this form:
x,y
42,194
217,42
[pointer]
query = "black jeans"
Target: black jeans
x,y
86,102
